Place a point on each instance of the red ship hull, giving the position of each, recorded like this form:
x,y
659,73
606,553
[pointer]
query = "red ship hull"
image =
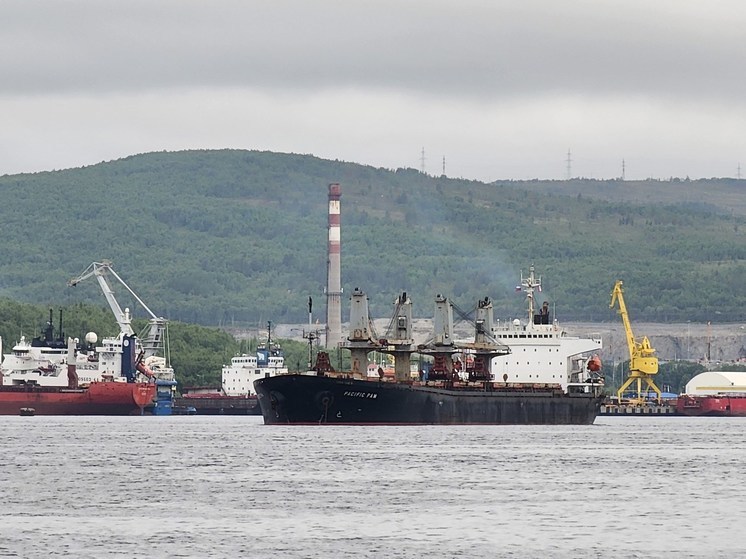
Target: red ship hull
x,y
99,398
716,405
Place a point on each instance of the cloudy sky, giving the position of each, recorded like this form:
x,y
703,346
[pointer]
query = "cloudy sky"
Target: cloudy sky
x,y
499,89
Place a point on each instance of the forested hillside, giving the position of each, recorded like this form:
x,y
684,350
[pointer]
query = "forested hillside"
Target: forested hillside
x,y
239,237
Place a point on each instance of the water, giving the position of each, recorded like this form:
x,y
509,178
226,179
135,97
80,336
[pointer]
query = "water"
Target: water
x,y
88,487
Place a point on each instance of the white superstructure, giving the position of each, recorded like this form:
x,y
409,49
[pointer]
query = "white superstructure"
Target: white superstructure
x,y
540,350
43,363
33,364
239,376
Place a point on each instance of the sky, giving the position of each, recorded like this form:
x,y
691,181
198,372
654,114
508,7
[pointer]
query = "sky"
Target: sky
x,y
481,89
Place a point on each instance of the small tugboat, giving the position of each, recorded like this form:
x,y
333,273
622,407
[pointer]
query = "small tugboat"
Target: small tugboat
x,y
458,389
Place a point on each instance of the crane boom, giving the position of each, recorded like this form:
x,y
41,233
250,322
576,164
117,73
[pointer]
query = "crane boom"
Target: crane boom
x,y
99,270
155,340
642,361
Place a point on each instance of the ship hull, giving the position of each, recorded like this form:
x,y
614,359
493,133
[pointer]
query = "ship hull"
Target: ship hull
x,y
717,406
306,399
100,398
220,405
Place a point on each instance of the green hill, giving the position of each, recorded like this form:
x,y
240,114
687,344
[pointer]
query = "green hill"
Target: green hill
x,y
239,237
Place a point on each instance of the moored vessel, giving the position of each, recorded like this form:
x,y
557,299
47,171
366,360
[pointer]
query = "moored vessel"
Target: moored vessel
x,y
116,394
236,395
712,405
541,349
306,399
459,388
98,398
714,393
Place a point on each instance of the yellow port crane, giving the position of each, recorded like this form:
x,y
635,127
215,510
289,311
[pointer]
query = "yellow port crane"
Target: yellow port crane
x,y
642,362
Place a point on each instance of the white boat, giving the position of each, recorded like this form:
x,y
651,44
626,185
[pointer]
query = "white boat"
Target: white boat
x,y
542,351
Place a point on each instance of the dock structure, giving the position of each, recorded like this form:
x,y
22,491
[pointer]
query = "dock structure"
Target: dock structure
x,y
634,410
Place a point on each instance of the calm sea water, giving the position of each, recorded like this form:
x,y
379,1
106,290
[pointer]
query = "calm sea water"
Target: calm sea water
x,y
182,486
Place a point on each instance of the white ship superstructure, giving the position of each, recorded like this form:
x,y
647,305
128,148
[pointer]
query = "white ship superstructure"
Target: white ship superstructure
x,y
31,364
239,376
540,350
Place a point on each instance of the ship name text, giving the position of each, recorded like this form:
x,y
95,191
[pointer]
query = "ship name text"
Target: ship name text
x,y
360,394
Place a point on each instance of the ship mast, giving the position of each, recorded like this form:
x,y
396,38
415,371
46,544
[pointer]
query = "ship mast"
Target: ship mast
x,y
529,284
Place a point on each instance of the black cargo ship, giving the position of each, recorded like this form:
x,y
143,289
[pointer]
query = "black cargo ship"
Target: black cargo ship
x,y
459,387
307,399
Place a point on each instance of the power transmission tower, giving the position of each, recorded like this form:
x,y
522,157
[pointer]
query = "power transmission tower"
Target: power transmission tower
x,y
569,164
623,169
422,161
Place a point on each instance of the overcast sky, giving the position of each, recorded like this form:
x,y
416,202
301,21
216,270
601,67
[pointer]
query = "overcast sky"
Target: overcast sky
x,y
500,89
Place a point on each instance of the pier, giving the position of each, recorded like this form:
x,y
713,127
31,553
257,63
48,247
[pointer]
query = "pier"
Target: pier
x,y
632,410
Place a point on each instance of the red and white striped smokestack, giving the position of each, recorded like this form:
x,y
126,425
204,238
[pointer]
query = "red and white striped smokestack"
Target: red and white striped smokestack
x,y
334,271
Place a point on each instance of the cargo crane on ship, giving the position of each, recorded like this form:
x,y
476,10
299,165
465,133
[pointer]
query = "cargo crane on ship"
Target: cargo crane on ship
x,y
643,364
154,343
476,357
